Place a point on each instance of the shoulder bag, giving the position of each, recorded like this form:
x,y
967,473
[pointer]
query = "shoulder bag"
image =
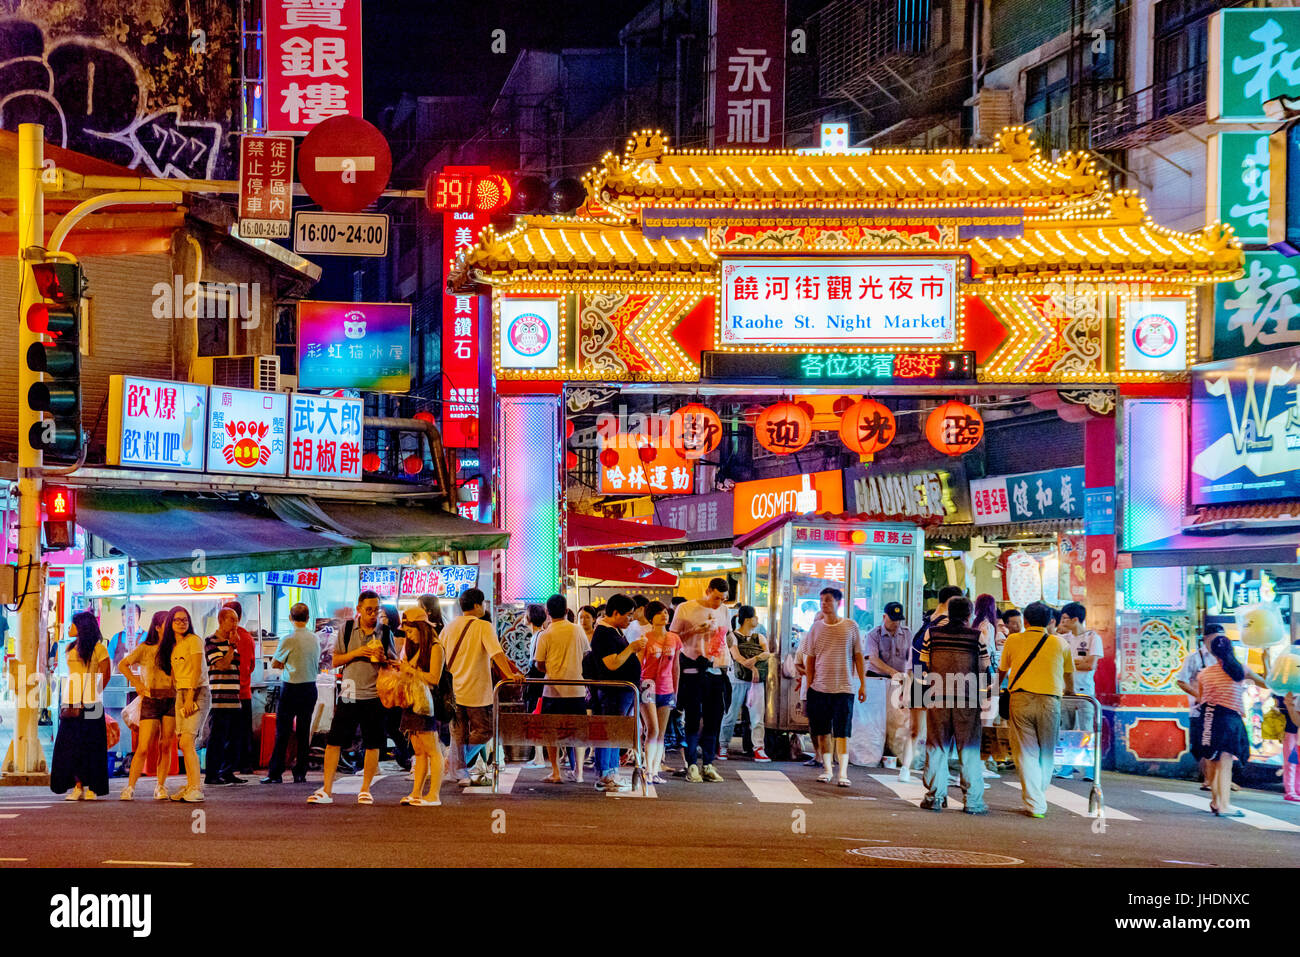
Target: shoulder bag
x,y
444,698
1004,701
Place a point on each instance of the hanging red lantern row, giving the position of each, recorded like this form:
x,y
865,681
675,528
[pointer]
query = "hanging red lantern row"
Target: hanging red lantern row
x,y
609,457
696,430
571,460
867,426
413,464
843,404
425,416
954,428
647,453
371,462
783,428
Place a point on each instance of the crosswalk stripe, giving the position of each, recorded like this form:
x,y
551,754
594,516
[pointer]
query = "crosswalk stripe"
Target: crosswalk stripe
x,y
1076,803
508,778
351,784
7,817
1252,818
773,787
913,791
650,792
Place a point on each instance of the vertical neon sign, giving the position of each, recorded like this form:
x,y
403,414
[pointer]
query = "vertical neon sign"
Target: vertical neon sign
x,y
462,401
1155,491
530,494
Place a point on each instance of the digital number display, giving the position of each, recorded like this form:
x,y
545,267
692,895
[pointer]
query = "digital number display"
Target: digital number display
x,y
456,192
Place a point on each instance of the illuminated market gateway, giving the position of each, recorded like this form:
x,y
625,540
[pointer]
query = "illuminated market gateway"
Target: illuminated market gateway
x,y
883,371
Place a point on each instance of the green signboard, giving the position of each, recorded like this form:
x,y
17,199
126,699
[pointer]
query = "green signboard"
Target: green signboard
x,y
1254,57
1261,310
1237,177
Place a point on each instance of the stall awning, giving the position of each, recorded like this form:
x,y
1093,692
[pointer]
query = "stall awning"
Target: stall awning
x,y
608,568
389,527
1234,549
595,531
166,534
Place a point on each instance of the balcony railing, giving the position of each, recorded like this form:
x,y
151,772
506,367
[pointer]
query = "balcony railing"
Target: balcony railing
x,y
1051,130
1159,111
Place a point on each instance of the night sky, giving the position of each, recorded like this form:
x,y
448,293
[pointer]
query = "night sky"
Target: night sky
x,y
442,47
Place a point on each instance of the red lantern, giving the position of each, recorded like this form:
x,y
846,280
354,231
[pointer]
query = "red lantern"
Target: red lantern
x,y
842,404
571,460
867,427
954,428
783,428
696,430
647,453
371,462
413,464
807,408
568,428
425,417
609,458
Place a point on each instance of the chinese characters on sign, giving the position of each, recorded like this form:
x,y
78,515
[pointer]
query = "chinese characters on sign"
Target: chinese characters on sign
x,y
1254,57
701,517
442,581
1029,496
1238,183
104,578
325,437
247,431
380,579
302,578
669,472
1259,311
313,62
196,584
265,186
461,401
988,497
749,79
155,424
847,301
354,345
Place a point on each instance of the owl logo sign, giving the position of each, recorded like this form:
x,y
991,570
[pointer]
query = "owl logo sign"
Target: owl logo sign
x,y
529,333
1156,339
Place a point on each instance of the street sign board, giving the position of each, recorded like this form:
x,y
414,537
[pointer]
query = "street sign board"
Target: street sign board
x,y
156,424
265,186
340,234
1238,183
313,62
344,164
1254,57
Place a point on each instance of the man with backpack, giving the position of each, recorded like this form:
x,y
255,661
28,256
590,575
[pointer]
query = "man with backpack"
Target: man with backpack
x,y
1041,667
359,649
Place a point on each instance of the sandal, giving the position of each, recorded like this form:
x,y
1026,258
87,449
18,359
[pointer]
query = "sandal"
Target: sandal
x,y
409,800
551,780
1235,812
363,797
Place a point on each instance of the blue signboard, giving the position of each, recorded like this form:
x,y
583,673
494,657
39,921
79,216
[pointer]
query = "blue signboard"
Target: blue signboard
x,y
1246,429
1038,496
1099,511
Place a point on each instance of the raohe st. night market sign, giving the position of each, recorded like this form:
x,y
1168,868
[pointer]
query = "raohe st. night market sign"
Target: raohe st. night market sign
x,y
868,302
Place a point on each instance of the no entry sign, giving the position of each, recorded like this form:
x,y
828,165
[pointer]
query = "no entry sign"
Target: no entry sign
x,y
344,164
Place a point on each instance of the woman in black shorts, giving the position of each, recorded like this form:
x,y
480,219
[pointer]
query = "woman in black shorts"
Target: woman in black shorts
x,y
422,657
157,708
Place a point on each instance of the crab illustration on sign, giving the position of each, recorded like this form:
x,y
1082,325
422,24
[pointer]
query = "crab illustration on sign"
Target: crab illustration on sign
x,y
247,450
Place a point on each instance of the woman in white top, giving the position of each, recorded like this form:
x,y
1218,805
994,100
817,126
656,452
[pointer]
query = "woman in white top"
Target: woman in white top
x,y
157,693
81,746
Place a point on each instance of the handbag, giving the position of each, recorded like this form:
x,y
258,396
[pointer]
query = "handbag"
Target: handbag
x,y
1004,701
444,700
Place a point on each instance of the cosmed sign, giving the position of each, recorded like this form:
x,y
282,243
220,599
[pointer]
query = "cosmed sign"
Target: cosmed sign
x,y
246,431
156,424
773,302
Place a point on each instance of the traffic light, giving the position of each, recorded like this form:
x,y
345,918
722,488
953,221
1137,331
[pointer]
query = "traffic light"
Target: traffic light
x,y
58,358
452,191
60,504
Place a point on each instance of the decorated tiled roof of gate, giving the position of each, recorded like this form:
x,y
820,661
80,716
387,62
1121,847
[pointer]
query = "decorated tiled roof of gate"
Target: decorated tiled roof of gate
x,y
1012,173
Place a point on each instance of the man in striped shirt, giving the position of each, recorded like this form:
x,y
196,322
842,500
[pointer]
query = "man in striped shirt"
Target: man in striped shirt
x,y
222,651
957,666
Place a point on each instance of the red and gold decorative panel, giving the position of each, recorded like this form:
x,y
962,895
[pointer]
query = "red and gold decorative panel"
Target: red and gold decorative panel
x,y
1054,334
642,336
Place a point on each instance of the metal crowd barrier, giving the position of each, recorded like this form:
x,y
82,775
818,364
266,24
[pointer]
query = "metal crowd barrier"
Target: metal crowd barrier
x,y
1096,802
518,728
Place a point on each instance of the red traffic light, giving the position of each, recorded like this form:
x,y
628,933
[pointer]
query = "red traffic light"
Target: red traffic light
x,y
60,503
59,281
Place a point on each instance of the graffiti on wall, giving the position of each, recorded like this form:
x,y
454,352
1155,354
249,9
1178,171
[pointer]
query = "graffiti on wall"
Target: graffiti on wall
x,y
94,96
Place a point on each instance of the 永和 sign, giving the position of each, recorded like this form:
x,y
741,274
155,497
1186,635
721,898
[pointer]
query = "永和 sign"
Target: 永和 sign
x,y
1261,310
247,431
157,424
1237,178
380,579
102,579
313,62
528,333
749,79
1254,57
265,186
325,437
776,302
1155,334
441,581
354,345
302,578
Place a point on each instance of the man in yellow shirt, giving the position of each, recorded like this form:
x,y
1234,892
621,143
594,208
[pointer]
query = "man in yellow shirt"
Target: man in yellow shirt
x,y
1039,668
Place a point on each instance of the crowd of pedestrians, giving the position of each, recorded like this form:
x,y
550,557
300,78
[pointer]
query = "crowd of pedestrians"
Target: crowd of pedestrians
x,y
971,686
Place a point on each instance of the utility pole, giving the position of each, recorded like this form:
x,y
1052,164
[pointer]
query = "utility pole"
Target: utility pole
x,y
25,762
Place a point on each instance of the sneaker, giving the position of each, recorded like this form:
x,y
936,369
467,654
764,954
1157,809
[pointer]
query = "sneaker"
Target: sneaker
x,y
983,809
272,780
812,763
233,779
693,775
320,797
905,776
612,783
159,792
88,795
711,775
989,773
932,804
178,795
1036,815
74,794
193,796
128,793
760,756
721,755
1292,797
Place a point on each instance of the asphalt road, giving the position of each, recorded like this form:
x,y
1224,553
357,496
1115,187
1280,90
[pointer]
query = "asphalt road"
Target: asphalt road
x,y
781,817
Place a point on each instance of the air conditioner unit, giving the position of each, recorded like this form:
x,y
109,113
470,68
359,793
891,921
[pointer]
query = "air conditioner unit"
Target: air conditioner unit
x,y
239,372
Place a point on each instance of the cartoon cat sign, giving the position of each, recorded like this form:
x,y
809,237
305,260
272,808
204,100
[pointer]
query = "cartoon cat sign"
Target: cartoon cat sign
x,y
528,335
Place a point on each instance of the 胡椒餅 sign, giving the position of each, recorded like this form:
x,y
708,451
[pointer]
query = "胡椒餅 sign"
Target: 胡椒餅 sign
x,y
157,424
924,496
354,345
441,581
1245,429
313,62
840,302
325,437
1028,496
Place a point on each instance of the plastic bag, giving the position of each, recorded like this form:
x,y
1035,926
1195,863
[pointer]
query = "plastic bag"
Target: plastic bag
x,y
419,698
131,713
388,685
114,731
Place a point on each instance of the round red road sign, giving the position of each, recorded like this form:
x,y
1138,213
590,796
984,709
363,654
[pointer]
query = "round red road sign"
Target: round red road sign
x,y
344,164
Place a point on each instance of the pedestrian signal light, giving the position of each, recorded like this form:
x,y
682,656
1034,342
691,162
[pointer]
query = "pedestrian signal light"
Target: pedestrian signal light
x,y
60,503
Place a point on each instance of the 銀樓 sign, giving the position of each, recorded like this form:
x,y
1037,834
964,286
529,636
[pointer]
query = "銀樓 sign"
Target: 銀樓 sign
x,y
772,302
